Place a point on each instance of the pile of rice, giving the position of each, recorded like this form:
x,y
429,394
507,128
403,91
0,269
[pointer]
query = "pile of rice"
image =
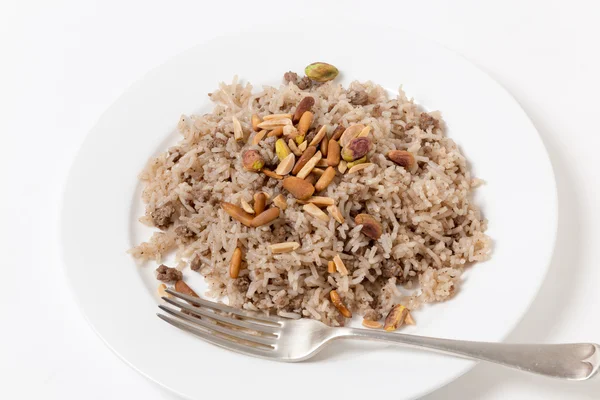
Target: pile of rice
x,y
431,228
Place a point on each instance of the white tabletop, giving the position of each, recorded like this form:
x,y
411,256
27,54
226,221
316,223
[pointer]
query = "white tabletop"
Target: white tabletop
x,y
64,62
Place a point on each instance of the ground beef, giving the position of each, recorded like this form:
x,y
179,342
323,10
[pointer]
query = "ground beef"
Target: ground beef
x,y
304,83
216,142
376,112
390,269
242,283
162,215
196,263
290,77
295,304
167,274
372,315
360,98
184,232
427,121
409,126
341,320
281,302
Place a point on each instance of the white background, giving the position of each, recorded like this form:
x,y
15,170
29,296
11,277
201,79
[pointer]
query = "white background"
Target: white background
x,y
62,63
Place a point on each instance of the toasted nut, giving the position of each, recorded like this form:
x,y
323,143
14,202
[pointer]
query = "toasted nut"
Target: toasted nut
x,y
238,133
282,149
336,214
333,153
274,123
246,206
367,323
260,201
286,165
303,173
285,247
235,263
277,116
319,136
317,172
356,148
290,132
312,179
395,318
358,167
361,160
259,136
403,158
307,155
303,146
337,132
339,265
182,287
350,133
255,121
265,217
299,139
342,166
299,188
324,146
321,201
370,226
294,148
305,122
365,132
161,291
409,319
271,174
304,105
315,212
252,160
277,132
321,72
325,179
237,213
280,202
337,302
331,267
322,162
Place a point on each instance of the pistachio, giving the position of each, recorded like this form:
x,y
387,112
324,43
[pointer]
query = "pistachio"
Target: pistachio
x,y
339,265
395,318
286,165
307,155
333,153
331,267
260,201
356,148
252,160
367,323
304,105
282,149
271,174
299,188
235,263
370,226
237,213
259,136
361,160
358,167
303,173
285,247
319,136
305,122
280,201
182,287
265,217
336,213
246,206
294,148
321,72
325,179
255,121
238,133
350,133
337,302
324,146
337,132
315,212
277,116
403,158
278,131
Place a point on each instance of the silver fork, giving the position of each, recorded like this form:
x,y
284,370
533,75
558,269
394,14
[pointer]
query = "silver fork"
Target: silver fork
x,y
291,340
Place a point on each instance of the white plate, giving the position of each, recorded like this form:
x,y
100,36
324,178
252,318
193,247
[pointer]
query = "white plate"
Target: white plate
x,y
101,207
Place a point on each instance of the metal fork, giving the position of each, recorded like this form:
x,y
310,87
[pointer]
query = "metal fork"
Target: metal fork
x,y
291,340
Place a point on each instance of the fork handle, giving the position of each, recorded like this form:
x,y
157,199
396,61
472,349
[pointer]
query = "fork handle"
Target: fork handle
x,y
573,361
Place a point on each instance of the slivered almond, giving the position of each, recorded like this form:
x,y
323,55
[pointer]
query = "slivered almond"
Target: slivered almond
x,y
238,133
161,291
367,323
318,172
331,267
286,165
337,302
260,201
285,247
303,173
325,179
315,212
277,116
350,133
277,132
259,136
299,188
342,166
365,132
255,121
237,213
321,201
337,132
302,146
336,214
235,263
358,167
271,174
319,136
294,148
280,202
265,217
290,132
182,287
304,105
324,146
307,155
312,178
333,153
339,265
246,206
274,123
322,163
305,122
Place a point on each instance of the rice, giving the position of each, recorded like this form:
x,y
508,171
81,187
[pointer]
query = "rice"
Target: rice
x,y
431,228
